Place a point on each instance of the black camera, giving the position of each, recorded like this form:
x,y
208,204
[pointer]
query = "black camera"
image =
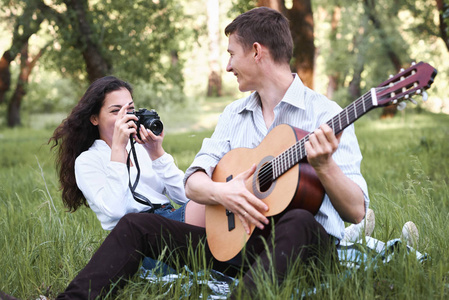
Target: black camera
x,y
149,119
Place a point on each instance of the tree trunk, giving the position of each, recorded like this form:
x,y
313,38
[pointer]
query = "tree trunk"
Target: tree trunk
x,y
20,91
213,27
371,13
334,76
26,66
301,25
25,26
391,110
278,5
5,74
355,90
442,8
301,17
354,86
96,64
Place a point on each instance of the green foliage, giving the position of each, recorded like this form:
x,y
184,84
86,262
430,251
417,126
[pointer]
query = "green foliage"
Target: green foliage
x,y
407,28
240,6
50,93
139,39
445,14
405,165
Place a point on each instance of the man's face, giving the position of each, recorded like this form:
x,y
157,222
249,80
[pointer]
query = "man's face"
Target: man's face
x,y
242,64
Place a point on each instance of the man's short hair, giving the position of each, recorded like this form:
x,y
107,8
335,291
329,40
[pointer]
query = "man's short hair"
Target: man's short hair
x,y
267,27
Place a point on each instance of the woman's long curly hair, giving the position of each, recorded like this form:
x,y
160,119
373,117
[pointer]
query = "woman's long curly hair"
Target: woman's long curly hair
x,y
76,134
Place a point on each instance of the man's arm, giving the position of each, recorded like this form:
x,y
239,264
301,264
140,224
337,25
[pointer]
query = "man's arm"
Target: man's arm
x,y
233,195
345,195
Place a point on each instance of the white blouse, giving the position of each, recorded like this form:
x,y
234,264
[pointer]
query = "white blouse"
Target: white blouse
x,y
104,183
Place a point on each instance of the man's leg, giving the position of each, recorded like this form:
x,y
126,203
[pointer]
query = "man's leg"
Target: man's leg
x,y
135,236
296,234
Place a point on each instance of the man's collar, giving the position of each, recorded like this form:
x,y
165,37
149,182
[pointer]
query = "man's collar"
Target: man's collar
x,y
295,93
294,96
252,103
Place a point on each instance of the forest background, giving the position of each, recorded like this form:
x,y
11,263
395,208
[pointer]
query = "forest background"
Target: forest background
x,y
174,54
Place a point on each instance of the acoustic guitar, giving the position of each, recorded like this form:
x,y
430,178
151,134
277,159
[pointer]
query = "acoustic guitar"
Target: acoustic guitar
x,y
283,179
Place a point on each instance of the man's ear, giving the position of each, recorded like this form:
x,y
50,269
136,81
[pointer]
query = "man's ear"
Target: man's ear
x,y
94,120
257,51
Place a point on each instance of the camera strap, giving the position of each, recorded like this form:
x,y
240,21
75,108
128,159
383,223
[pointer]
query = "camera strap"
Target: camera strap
x,y
138,197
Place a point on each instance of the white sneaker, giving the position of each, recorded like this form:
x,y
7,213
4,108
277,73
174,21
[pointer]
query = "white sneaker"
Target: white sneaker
x,y
355,232
410,234
370,222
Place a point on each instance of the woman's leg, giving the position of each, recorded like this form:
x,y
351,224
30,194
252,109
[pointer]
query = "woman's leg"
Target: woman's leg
x,y
195,214
135,236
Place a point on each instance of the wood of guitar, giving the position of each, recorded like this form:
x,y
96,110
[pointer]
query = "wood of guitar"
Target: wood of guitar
x,y
299,187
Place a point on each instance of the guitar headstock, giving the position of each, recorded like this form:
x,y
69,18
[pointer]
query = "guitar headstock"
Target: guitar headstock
x,y
415,80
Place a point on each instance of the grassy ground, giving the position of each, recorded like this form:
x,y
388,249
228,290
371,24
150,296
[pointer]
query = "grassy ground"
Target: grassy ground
x,y
406,165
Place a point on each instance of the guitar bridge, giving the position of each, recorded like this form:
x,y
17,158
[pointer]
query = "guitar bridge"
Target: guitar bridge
x,y
230,214
231,220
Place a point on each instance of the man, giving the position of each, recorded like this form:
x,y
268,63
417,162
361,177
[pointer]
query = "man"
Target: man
x,y
260,48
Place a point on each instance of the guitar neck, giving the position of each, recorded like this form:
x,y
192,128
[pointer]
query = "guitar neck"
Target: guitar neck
x,y
293,155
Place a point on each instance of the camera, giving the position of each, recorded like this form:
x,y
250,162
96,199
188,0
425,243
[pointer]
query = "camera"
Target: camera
x,y
149,119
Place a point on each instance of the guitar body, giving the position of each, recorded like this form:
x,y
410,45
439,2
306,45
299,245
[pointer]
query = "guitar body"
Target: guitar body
x,y
299,187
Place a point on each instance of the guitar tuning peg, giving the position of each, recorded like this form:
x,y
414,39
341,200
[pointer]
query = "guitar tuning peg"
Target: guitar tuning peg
x,y
391,76
413,101
424,96
413,63
402,105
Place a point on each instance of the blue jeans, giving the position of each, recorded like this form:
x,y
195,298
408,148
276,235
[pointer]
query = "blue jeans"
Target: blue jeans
x,y
170,213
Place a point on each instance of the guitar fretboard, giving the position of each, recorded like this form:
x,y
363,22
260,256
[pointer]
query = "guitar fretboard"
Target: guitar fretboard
x,y
293,155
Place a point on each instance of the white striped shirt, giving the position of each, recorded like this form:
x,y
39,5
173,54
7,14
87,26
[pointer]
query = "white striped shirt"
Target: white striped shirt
x,y
242,125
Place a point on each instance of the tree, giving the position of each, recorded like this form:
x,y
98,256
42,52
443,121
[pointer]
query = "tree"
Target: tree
x,y
78,17
26,66
24,26
301,25
91,39
213,17
334,76
443,9
300,16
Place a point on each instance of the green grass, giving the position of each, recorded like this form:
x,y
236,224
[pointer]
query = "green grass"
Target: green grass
x,y
406,165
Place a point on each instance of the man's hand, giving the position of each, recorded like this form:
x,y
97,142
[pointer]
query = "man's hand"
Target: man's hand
x,y
233,195
320,147
236,198
345,195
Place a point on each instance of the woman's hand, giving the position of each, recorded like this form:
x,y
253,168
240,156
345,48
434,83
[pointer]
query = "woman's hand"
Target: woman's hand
x,y
151,142
124,127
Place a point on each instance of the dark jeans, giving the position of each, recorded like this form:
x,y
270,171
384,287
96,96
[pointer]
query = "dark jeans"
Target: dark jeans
x,y
297,233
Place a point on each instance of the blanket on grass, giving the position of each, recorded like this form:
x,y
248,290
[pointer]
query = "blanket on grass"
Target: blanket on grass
x,y
365,252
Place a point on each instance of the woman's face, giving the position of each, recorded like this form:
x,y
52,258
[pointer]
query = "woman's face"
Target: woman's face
x,y
105,120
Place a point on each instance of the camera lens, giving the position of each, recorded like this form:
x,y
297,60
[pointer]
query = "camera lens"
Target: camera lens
x,y
155,126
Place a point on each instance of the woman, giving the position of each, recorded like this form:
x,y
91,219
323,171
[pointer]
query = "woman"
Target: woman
x,y
94,142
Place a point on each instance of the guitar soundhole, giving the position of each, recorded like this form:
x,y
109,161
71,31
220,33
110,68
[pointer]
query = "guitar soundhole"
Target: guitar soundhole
x,y
265,177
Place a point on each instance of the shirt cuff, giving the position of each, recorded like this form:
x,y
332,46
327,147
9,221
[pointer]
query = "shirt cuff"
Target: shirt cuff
x,y
163,160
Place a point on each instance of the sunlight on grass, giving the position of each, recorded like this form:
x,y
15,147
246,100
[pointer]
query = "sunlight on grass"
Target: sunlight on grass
x,y
406,166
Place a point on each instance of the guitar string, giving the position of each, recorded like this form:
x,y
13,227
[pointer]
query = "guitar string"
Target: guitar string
x,y
268,174
277,166
286,160
288,157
